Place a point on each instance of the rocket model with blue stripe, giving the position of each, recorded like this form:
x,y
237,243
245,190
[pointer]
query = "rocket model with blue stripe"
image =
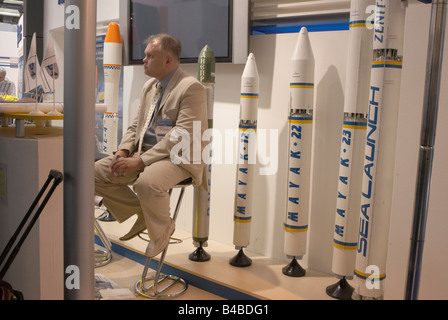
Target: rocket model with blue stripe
x,y
246,161
359,61
299,154
379,158
112,63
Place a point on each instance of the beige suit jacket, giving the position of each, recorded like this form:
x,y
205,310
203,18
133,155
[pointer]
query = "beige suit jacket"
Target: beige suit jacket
x,y
184,102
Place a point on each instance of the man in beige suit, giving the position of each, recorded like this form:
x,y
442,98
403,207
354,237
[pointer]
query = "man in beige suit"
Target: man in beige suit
x,y
171,104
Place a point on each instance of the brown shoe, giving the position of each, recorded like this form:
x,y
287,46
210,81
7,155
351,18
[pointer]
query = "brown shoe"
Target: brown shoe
x,y
139,226
157,246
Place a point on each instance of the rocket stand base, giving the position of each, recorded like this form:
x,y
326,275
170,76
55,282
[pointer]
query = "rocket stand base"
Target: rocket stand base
x,y
240,260
199,255
294,269
340,290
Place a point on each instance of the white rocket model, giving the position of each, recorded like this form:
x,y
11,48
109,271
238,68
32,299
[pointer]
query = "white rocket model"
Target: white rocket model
x,y
299,154
379,159
201,199
245,168
112,62
359,62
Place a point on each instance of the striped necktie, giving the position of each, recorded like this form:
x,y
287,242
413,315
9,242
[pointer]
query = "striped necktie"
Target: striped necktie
x,y
4,87
154,101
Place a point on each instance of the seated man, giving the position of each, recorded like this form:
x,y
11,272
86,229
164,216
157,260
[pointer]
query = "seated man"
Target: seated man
x,y
7,87
143,158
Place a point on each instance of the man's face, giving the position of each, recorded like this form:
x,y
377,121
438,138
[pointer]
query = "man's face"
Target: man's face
x,y
2,77
155,61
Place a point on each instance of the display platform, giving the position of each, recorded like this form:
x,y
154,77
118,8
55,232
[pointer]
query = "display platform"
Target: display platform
x,y
21,111
20,118
27,107
263,280
24,116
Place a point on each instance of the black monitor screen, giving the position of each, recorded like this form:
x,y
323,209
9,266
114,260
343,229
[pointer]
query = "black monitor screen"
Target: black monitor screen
x,y
194,22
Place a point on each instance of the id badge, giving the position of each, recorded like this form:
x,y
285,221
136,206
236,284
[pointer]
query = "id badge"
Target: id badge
x,y
163,127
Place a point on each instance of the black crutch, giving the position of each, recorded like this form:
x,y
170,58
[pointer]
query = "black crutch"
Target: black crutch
x,y
58,177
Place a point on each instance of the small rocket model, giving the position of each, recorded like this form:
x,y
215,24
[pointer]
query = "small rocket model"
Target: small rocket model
x,y
299,154
245,169
359,62
112,63
201,200
379,158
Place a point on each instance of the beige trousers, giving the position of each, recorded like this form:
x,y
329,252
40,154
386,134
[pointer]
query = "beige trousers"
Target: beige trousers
x,y
151,195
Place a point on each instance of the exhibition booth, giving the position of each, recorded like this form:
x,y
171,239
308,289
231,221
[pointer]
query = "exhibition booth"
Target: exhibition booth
x,y
29,152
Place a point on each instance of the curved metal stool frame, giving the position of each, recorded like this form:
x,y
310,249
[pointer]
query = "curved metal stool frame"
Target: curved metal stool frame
x,y
152,291
102,257
173,240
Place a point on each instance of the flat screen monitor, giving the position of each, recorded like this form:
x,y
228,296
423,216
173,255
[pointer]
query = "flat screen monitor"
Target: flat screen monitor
x,y
194,22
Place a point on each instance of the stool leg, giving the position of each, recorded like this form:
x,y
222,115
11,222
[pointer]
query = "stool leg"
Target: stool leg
x,y
144,274
102,257
158,271
179,201
159,277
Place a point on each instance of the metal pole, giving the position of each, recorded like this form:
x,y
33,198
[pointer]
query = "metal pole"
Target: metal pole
x,y
79,155
428,133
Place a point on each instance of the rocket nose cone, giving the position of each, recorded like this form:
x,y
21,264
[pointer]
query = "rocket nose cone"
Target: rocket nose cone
x,y
113,33
250,70
206,48
251,59
207,52
303,50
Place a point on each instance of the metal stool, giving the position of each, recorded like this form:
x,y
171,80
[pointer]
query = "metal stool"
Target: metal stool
x,y
102,257
152,291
